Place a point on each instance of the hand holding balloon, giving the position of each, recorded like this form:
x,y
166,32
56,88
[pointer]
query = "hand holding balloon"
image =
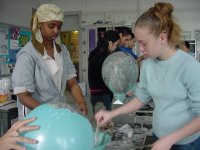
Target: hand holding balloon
x,y
12,137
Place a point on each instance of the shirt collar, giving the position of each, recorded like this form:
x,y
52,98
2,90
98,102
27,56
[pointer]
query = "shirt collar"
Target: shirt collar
x,y
46,56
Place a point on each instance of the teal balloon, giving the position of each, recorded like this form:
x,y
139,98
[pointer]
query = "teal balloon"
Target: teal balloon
x,y
60,129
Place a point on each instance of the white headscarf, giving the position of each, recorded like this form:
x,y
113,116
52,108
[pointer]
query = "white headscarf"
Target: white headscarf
x,y
44,13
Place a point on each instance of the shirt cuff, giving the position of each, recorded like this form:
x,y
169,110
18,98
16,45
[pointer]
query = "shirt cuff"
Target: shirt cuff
x,y
18,90
71,76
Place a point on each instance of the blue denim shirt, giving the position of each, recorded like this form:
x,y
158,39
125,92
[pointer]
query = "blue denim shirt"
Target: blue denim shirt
x,y
128,50
31,73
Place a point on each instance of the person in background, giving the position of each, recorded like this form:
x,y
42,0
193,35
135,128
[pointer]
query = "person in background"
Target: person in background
x,y
126,43
129,49
125,36
12,138
185,46
99,91
132,41
168,78
44,67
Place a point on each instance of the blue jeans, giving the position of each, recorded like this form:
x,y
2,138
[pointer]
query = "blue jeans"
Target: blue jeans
x,y
195,145
106,99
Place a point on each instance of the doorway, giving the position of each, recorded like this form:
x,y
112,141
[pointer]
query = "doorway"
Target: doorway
x,y
70,36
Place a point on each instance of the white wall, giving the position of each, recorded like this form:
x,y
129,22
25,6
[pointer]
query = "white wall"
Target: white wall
x,y
93,10
16,12
187,12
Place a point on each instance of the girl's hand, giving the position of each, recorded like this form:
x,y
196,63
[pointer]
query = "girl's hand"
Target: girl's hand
x,y
11,138
102,117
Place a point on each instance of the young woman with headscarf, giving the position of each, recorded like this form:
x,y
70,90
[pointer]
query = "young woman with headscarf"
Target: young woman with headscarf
x,y
44,67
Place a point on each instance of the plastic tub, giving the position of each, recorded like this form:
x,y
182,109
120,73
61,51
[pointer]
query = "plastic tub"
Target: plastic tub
x,y
103,140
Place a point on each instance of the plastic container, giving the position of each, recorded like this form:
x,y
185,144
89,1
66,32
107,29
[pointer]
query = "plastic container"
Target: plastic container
x,y
103,140
4,97
5,90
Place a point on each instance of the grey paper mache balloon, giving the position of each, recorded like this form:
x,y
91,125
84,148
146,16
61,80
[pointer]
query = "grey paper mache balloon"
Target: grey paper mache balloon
x,y
120,74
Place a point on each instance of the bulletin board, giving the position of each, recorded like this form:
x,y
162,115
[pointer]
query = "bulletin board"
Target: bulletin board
x,y
12,39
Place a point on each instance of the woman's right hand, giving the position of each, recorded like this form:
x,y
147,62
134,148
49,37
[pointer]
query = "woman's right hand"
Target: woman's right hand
x,y
103,116
129,93
11,138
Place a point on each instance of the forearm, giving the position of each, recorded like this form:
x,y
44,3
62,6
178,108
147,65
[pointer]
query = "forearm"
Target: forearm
x,y
27,100
77,94
131,106
75,91
191,128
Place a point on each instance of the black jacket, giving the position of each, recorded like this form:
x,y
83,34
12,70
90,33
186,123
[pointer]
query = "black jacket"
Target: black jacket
x,y
96,59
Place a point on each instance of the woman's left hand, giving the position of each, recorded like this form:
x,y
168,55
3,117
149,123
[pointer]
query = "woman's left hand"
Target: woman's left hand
x,y
129,93
164,143
83,108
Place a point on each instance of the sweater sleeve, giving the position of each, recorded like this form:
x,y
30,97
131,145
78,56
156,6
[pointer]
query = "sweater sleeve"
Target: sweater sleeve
x,y
142,90
192,82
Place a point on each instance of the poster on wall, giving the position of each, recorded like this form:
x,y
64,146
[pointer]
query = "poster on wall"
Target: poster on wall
x,y
3,41
24,38
14,34
12,39
15,45
2,59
